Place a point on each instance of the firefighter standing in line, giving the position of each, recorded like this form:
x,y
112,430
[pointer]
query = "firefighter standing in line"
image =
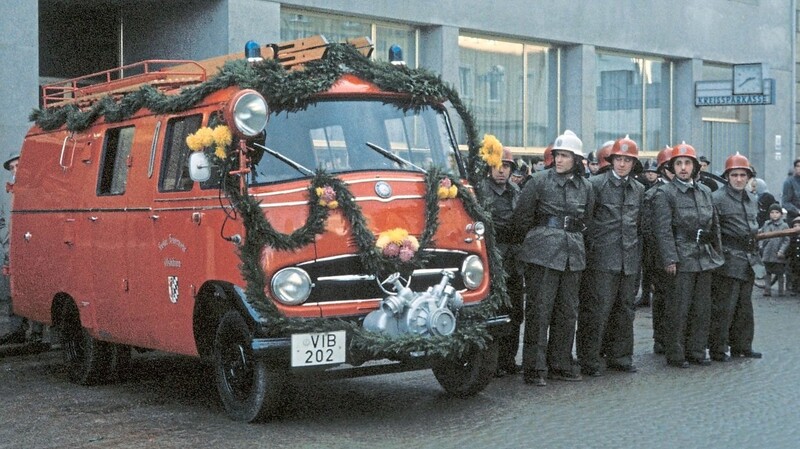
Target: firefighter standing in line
x,y
732,318
651,261
502,195
605,316
551,214
687,232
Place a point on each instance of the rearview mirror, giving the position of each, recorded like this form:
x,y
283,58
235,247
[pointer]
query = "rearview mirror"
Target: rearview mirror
x,y
199,167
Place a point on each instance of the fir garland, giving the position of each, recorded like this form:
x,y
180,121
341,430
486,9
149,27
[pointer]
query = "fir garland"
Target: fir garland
x,y
293,91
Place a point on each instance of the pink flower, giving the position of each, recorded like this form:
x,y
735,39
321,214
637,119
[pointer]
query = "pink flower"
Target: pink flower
x,y
406,254
391,250
446,183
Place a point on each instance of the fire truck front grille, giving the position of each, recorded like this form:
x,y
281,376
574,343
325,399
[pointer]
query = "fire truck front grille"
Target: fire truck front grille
x,y
343,278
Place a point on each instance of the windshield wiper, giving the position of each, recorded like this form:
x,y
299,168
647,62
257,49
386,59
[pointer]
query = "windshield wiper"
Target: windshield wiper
x,y
394,157
285,160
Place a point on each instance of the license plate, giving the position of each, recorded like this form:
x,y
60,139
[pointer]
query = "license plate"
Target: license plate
x,y
325,348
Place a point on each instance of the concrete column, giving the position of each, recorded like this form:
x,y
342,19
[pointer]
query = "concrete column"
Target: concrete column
x,y
578,93
687,118
19,51
438,52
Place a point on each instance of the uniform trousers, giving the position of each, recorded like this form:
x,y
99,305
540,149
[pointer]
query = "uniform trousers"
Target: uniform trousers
x,y
732,321
688,314
509,344
550,316
605,319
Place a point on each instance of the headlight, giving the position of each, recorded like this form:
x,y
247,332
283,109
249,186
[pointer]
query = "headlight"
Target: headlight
x,y
291,286
480,228
248,112
472,272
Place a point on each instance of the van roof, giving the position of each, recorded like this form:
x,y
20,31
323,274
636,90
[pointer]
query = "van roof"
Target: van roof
x,y
169,75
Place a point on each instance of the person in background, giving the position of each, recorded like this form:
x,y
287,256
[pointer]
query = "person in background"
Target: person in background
x,y
732,321
605,315
793,260
687,231
551,217
538,165
765,199
790,197
704,174
502,196
773,251
592,164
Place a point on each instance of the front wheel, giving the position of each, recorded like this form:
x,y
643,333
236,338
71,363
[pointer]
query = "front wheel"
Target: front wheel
x,y
87,358
249,390
470,374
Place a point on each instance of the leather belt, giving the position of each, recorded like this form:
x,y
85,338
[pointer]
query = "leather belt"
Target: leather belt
x,y
567,223
701,236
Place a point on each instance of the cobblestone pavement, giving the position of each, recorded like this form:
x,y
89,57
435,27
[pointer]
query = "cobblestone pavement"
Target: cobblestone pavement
x,y
171,402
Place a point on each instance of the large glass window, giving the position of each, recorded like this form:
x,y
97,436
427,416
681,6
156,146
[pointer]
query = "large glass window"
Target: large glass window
x,y
633,98
326,135
725,128
116,153
175,160
297,24
506,85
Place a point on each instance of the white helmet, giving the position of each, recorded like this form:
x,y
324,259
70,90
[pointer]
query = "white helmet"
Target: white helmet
x,y
569,142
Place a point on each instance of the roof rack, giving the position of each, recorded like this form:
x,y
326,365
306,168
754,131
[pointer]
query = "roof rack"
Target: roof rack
x,y
167,75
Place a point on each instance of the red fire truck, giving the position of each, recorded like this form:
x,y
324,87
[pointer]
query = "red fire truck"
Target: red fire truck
x,y
297,210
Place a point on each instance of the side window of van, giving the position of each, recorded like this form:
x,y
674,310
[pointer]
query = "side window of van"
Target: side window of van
x,y
175,159
114,173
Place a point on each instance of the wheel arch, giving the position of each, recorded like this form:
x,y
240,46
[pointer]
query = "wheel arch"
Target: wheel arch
x,y
214,299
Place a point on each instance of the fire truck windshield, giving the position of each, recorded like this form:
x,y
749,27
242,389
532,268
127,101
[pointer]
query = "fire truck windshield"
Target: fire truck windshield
x,y
356,135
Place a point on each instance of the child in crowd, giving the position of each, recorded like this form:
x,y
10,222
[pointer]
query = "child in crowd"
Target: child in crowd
x,y
793,259
773,251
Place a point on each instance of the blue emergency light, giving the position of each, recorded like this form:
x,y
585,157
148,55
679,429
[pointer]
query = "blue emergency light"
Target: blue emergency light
x,y
396,55
252,51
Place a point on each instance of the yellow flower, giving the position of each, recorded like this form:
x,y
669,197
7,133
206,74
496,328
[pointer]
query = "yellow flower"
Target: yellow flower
x,y
206,136
443,193
492,151
318,191
333,204
222,135
220,152
453,191
383,240
193,142
397,235
413,242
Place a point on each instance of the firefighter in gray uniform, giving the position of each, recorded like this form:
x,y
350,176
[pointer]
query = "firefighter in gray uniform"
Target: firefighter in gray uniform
x,y
551,215
732,314
687,232
662,282
605,315
501,195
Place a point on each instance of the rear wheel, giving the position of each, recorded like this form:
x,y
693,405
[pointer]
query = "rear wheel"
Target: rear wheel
x,y
470,374
249,390
87,358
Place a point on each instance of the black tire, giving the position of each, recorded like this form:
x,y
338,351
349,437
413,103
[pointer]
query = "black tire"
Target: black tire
x,y
470,374
87,358
249,390
120,362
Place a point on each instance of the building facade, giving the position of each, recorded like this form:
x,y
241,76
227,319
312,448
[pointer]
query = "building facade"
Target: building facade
x,y
528,69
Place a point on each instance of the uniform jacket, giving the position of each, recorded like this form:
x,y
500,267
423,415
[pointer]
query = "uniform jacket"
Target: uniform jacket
x,y
771,247
615,242
680,211
738,222
501,203
550,194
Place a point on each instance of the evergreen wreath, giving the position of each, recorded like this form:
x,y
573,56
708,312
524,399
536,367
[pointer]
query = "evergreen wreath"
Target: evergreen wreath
x,y
293,91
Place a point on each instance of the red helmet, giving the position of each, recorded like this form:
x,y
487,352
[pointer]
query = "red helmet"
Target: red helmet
x,y
684,150
624,147
548,157
663,157
508,156
737,161
602,156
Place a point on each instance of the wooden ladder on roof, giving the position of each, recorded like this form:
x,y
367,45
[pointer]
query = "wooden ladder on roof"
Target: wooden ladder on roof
x,y
169,75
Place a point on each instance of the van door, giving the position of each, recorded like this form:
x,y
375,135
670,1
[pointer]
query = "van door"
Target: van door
x,y
166,256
